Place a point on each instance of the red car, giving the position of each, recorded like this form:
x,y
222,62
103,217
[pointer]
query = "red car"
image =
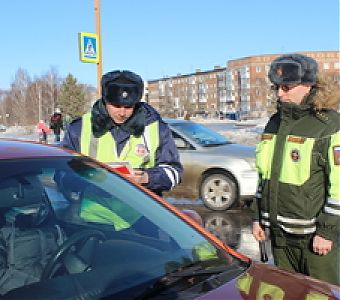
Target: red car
x,y
72,228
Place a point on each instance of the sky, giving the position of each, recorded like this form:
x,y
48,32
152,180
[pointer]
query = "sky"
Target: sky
x,y
158,38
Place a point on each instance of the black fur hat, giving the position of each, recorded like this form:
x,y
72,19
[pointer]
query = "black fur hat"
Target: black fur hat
x,y
293,69
122,88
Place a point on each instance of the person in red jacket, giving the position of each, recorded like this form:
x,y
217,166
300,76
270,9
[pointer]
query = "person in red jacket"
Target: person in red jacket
x,y
42,131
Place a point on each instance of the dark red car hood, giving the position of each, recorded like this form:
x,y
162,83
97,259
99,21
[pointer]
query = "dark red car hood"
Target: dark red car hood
x,y
12,149
263,281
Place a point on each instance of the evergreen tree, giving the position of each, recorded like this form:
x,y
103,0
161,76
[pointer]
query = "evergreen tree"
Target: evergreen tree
x,y
72,98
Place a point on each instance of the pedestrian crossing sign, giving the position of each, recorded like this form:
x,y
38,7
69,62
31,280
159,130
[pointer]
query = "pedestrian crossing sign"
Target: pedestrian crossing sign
x,y
88,47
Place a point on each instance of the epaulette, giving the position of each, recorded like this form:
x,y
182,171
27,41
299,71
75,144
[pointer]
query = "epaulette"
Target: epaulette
x,y
321,116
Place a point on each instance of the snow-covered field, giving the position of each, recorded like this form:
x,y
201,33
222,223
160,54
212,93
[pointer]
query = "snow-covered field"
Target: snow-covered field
x,y
243,132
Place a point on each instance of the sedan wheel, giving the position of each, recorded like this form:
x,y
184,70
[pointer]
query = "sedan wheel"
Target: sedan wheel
x,y
218,191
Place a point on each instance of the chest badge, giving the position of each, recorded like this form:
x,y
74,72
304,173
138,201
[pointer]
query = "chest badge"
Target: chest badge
x,y
141,150
295,155
336,152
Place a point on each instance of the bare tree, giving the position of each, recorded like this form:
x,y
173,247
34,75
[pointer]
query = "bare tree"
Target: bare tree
x,y
18,96
50,92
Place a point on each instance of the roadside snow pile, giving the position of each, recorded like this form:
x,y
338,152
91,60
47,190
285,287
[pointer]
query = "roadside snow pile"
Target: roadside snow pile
x,y
20,133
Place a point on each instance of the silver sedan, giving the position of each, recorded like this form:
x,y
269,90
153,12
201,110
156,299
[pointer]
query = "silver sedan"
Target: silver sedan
x,y
216,170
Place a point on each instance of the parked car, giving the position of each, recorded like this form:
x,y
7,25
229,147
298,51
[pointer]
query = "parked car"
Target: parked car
x,y
72,228
219,172
2,128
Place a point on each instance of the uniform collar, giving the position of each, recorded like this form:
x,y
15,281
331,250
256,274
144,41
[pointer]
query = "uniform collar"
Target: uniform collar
x,y
293,111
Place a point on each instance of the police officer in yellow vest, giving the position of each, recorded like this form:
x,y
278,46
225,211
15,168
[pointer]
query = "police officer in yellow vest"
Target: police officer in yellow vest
x,y
298,161
121,128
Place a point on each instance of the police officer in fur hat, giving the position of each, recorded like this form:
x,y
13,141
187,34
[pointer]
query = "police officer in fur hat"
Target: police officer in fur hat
x,y
298,161
120,128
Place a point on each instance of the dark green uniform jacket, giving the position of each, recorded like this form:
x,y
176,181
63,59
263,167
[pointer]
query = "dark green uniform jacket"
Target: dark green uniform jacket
x,y
298,161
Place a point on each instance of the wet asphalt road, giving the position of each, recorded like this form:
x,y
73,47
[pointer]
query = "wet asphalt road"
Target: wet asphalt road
x,y
231,226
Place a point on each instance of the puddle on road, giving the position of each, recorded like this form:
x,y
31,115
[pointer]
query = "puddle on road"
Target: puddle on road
x,y
233,226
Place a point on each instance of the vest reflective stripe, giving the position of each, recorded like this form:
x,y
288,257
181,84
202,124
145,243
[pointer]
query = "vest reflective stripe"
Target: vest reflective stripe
x,y
269,289
172,174
291,225
296,170
334,176
264,155
332,206
291,220
86,131
104,148
332,211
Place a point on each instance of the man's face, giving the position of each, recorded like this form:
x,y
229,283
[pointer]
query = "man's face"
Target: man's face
x,y
119,113
292,93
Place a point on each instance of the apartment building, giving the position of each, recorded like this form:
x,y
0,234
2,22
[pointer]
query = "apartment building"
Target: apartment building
x,y
202,91
242,86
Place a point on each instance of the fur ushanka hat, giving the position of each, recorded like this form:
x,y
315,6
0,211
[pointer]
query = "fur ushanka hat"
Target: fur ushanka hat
x,y
293,69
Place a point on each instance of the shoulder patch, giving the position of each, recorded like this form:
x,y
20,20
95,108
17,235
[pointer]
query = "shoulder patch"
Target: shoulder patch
x,y
336,153
266,136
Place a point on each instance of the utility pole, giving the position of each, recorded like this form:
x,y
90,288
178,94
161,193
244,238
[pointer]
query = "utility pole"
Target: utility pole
x,y
98,30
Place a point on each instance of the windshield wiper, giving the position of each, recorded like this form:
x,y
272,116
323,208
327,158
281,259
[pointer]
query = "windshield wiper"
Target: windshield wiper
x,y
192,270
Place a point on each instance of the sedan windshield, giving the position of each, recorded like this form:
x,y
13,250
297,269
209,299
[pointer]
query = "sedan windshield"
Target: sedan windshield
x,y
201,134
100,231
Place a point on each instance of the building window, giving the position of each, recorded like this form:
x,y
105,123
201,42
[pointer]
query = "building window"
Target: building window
x,y
336,65
326,66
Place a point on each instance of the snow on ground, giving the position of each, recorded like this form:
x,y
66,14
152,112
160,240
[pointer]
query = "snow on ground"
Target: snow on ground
x,y
243,132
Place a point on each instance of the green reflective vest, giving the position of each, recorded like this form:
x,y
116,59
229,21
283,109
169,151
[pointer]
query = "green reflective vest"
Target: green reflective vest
x,y
104,148
299,170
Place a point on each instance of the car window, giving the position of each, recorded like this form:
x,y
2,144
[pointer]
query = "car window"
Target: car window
x,y
201,134
140,240
181,143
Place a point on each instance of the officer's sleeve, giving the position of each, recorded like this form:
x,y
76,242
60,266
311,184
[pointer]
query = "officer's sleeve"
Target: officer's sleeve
x,y
328,222
72,135
168,169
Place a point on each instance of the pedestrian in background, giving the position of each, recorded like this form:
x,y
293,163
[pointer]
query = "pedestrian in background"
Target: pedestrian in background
x,y
42,130
56,124
298,161
120,128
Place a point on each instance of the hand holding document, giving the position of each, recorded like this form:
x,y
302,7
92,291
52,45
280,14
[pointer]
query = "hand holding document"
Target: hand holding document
x,y
138,175
122,167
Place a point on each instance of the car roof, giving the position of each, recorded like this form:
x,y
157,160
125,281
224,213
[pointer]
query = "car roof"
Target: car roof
x,y
15,149
175,121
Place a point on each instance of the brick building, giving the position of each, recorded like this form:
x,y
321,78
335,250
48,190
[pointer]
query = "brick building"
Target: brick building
x,y
241,86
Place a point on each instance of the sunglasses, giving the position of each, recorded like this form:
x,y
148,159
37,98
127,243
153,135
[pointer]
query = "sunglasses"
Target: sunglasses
x,y
283,87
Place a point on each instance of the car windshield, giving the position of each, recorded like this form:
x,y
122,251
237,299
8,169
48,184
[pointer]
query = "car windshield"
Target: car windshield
x,y
201,134
109,237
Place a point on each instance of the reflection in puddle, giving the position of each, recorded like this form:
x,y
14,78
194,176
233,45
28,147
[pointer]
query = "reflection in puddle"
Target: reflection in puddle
x,y
233,227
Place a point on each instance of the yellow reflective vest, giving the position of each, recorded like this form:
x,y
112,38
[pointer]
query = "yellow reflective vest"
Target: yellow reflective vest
x,y
104,148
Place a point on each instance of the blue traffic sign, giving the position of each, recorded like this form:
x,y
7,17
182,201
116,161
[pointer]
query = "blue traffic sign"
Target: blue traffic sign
x,y
89,47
